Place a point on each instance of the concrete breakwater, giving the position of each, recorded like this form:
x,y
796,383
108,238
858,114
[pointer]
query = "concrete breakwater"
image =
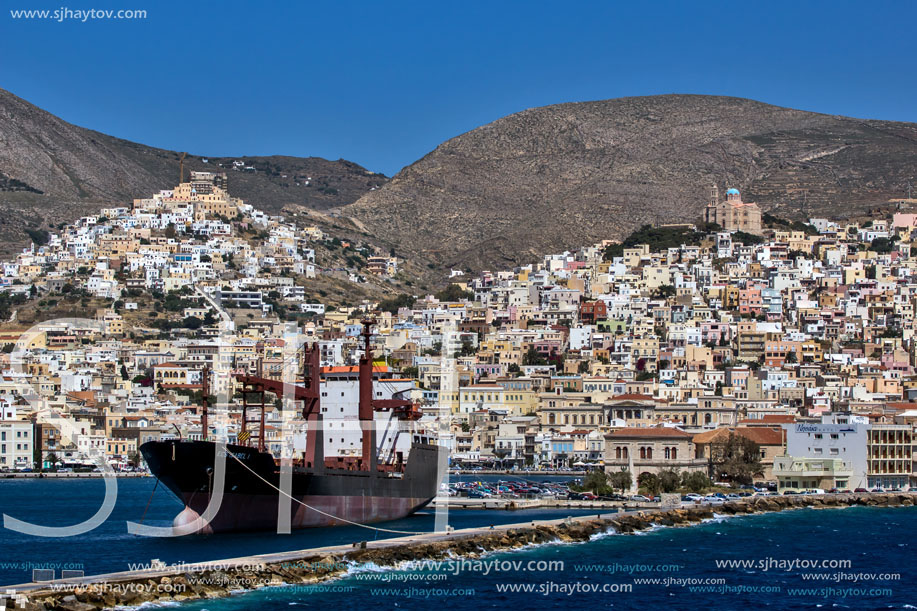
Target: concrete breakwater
x,y
305,567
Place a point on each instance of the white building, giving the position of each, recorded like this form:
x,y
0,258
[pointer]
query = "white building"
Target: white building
x,y
15,444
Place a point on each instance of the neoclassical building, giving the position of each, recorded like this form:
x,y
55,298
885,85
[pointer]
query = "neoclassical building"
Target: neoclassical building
x,y
651,449
733,214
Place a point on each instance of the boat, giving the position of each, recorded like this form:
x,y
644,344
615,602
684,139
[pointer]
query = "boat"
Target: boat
x,y
319,491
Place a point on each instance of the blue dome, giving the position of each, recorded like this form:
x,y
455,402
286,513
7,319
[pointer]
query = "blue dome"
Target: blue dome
x,y
732,191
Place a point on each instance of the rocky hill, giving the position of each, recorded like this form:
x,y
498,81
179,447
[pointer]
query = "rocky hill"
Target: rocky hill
x,y
560,176
52,171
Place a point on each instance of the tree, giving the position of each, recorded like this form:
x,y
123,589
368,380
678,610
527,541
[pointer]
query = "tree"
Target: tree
x,y
532,357
695,481
39,236
669,480
596,481
393,304
621,480
124,374
192,322
736,459
454,293
52,459
135,460
649,482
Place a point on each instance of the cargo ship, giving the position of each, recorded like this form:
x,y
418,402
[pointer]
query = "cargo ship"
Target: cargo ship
x,y
320,491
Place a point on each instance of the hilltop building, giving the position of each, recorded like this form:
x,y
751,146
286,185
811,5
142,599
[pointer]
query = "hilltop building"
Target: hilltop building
x,y
733,214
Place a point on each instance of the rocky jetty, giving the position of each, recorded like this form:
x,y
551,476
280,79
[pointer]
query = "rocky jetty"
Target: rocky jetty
x,y
213,580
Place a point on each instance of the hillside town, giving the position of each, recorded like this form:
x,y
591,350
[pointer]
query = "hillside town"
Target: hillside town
x,y
747,348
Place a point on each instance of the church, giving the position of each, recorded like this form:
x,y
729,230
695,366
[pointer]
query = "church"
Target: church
x,y
733,214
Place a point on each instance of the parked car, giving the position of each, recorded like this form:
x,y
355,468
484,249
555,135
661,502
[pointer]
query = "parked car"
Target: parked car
x,y
612,497
861,490
639,498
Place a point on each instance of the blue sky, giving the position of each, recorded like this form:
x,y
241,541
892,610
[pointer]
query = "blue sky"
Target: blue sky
x,y
382,83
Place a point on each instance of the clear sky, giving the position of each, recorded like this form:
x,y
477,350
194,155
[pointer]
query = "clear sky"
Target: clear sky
x,y
384,82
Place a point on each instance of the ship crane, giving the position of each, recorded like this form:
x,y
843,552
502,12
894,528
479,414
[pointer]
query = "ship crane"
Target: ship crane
x,y
310,394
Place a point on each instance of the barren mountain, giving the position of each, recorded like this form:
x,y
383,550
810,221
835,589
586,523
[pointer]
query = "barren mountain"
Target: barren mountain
x,y
556,177
52,171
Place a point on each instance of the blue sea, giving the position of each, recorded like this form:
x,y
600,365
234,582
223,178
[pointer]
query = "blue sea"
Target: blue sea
x,y
109,548
854,558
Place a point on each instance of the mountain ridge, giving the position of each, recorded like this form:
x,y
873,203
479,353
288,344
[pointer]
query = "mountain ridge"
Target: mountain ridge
x,y
52,171
555,177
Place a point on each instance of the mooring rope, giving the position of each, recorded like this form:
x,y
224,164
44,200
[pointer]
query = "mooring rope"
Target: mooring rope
x,y
324,513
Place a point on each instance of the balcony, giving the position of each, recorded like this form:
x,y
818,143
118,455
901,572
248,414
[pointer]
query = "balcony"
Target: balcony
x,y
789,466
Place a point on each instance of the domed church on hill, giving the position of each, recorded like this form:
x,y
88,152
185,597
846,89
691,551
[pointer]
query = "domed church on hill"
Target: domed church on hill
x,y
733,214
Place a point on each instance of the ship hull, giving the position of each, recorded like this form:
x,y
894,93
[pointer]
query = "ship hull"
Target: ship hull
x,y
327,497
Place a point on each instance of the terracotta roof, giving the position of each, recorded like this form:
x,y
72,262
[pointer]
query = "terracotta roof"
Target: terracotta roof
x,y
86,396
763,436
649,432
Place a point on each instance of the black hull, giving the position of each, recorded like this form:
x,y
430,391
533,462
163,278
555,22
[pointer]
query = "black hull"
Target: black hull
x,y
328,497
